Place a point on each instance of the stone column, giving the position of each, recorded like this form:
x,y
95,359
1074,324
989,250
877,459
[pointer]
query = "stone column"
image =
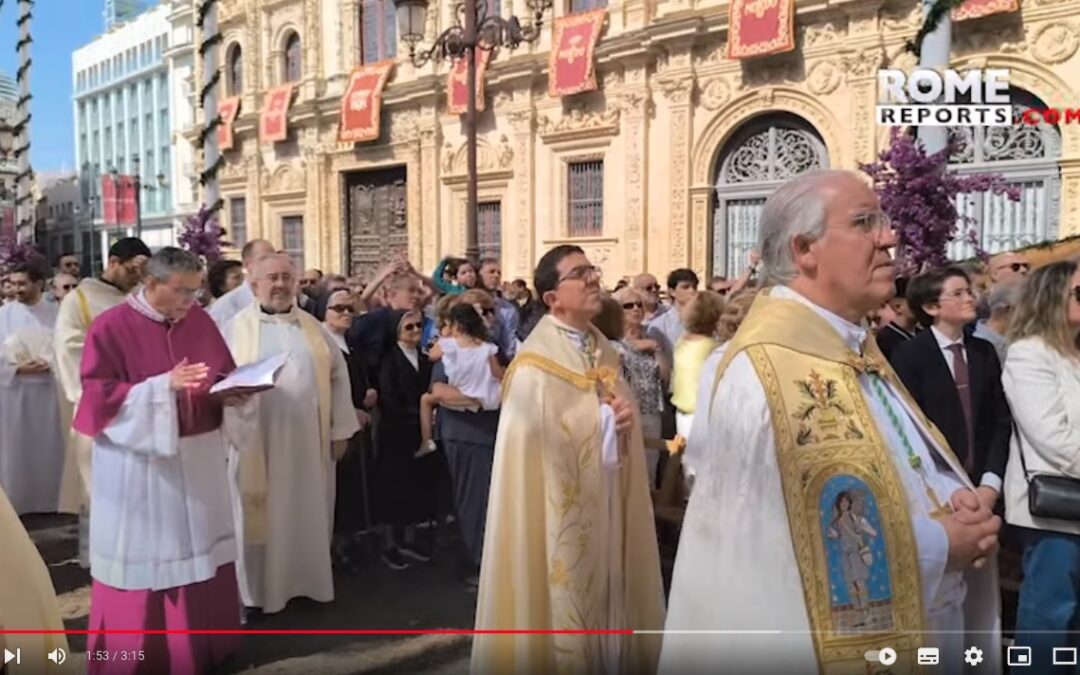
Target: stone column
x,y
635,104
524,223
1069,223
862,68
430,139
256,227
678,88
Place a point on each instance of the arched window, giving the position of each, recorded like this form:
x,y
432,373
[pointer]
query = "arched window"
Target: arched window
x,y
293,55
760,156
235,70
1027,157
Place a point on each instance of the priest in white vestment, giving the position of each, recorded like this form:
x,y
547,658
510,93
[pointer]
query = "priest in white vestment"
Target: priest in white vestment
x,y
284,475
841,525
240,298
162,543
32,438
123,272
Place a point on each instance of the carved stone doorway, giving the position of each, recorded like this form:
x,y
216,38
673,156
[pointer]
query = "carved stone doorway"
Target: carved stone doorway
x,y
376,223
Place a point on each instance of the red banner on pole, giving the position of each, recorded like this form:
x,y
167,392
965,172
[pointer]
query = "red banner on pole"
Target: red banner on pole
x,y
361,106
274,124
228,109
457,83
760,27
976,9
570,64
108,200
127,196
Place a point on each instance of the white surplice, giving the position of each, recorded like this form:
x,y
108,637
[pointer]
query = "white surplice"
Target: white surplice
x,y
736,569
295,561
232,303
162,514
32,438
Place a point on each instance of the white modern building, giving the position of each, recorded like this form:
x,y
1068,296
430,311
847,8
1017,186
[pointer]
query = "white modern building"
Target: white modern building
x,y
125,122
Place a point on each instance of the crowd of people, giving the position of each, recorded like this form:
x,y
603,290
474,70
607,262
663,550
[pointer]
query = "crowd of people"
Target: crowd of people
x,y
843,444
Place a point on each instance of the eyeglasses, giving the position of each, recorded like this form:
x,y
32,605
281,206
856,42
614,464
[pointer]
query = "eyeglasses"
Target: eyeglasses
x,y
1076,293
410,327
583,273
655,288
342,308
632,305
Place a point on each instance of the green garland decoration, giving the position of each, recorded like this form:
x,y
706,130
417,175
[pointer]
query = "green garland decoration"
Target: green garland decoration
x,y
938,11
207,43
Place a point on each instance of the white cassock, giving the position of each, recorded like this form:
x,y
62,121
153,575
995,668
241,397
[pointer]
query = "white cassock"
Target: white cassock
x,y
32,440
736,569
295,561
232,303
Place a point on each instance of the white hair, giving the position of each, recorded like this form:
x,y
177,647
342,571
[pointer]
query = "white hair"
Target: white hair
x,y
796,209
170,260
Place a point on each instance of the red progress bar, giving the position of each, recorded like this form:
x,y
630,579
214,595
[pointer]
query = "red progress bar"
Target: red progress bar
x,y
447,631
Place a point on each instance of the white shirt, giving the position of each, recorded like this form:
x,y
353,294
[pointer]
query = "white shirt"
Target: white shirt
x,y
231,304
988,479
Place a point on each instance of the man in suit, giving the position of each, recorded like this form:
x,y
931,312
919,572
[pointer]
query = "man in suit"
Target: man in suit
x,y
956,378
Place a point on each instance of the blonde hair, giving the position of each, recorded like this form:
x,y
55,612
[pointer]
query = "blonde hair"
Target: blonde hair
x,y
629,294
477,296
734,312
1042,310
703,313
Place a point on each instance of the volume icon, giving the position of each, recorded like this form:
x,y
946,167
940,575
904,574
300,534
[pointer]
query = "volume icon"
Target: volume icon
x,y
58,656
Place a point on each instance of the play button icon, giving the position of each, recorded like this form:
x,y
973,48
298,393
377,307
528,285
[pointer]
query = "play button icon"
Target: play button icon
x,y
887,656
16,657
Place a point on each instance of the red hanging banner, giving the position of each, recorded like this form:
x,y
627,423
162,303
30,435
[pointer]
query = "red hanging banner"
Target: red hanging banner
x,y
274,123
127,194
760,27
457,83
228,109
975,9
570,64
361,106
108,200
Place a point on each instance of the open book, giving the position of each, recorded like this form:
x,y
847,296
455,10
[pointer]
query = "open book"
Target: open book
x,y
252,378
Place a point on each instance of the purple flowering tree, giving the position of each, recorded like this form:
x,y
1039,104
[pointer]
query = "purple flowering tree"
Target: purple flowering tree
x,y
918,192
13,253
203,235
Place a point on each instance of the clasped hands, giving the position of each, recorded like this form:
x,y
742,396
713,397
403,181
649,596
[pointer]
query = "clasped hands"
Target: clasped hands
x,y
192,376
35,367
972,530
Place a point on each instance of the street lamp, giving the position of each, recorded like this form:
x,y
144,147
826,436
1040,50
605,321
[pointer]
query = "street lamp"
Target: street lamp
x,y
475,29
136,163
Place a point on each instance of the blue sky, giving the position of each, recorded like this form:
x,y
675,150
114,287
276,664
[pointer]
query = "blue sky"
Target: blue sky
x,y
59,28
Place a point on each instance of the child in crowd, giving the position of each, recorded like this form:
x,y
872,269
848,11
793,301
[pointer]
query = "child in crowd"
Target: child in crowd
x,y
472,369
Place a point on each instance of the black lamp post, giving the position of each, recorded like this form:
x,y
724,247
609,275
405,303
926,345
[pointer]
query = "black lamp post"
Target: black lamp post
x,y
475,29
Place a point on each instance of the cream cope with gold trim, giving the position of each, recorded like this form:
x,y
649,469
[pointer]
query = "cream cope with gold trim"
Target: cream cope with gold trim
x,y
569,544
252,469
27,600
827,440
77,310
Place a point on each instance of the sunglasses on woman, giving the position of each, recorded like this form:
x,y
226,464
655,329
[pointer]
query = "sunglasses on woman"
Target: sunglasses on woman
x,y
1076,293
632,305
342,309
410,327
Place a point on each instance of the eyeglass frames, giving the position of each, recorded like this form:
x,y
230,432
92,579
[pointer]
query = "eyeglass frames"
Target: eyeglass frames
x,y
632,305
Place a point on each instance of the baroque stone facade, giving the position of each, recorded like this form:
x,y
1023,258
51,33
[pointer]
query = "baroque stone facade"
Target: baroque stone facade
x,y
684,133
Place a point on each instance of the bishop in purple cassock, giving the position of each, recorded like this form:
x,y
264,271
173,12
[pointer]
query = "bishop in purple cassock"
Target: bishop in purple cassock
x,y
162,543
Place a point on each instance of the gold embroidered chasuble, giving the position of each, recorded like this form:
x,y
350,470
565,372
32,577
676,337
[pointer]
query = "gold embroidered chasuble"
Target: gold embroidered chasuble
x,y
847,508
569,544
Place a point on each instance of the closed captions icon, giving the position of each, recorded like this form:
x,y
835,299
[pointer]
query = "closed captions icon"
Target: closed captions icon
x,y
929,656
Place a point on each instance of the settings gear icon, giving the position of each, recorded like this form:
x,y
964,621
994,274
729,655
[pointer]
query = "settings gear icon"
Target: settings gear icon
x,y
973,656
